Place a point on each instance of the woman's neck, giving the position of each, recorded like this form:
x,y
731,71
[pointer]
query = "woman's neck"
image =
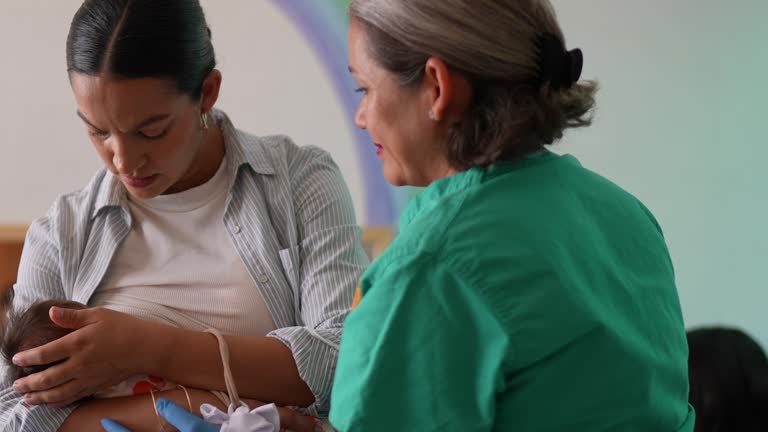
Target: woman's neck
x,y
205,164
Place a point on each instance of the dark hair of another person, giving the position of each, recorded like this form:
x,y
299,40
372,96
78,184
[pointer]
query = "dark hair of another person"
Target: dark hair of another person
x,y
130,39
729,381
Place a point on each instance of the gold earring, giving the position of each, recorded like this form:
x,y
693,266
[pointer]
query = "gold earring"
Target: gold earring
x,y
204,120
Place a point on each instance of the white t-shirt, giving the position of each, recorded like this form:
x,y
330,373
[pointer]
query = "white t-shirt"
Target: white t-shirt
x,y
178,265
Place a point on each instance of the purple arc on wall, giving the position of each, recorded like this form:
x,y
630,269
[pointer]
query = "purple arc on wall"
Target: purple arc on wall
x,y
324,26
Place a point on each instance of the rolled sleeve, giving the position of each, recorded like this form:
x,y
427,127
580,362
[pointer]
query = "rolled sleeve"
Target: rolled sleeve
x,y
332,261
315,353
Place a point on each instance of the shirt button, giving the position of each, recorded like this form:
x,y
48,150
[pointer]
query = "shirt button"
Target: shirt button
x,y
237,229
263,278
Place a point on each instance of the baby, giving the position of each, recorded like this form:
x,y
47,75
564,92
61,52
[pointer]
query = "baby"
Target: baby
x,y
33,328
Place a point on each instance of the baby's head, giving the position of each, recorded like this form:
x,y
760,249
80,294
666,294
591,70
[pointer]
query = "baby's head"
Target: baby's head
x,y
29,329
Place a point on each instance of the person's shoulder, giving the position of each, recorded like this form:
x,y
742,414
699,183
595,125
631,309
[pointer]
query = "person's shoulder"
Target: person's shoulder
x,y
283,151
274,143
269,154
611,195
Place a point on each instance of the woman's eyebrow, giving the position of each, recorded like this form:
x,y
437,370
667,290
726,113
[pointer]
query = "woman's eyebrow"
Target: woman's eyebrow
x,y
150,120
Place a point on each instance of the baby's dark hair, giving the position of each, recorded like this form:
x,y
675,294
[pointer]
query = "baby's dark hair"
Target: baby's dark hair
x,y
29,329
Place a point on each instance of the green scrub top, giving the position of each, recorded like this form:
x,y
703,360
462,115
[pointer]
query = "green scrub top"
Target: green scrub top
x,y
530,296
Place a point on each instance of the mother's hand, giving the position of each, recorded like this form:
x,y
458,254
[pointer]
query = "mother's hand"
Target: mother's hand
x,y
106,348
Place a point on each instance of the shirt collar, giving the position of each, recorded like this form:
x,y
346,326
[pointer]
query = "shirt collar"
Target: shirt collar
x,y
111,193
437,191
445,187
242,148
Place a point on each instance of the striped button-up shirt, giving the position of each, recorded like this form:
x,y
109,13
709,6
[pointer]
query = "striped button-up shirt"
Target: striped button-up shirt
x,y
290,217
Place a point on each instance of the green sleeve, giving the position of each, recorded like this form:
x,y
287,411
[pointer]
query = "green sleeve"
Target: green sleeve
x,y
423,351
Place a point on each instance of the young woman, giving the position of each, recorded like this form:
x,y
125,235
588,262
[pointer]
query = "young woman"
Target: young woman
x,y
192,224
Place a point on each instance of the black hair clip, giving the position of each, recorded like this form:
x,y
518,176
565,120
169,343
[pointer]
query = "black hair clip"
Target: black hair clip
x,y
557,66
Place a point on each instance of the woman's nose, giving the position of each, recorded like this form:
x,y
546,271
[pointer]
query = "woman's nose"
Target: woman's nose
x,y
126,160
360,117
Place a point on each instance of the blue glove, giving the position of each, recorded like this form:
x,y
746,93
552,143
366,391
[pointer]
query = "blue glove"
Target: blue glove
x,y
110,425
177,416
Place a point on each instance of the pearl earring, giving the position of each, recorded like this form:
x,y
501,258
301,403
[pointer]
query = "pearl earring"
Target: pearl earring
x,y
432,115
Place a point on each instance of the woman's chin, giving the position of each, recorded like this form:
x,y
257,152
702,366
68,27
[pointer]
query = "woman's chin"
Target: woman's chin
x,y
395,178
143,193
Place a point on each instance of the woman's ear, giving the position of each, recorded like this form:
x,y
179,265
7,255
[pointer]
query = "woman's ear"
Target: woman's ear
x,y
449,91
211,88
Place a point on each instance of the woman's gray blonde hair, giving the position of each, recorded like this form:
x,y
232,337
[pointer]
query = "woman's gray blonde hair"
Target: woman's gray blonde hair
x,y
493,43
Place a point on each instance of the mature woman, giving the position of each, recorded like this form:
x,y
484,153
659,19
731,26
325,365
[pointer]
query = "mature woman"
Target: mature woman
x,y
192,224
524,292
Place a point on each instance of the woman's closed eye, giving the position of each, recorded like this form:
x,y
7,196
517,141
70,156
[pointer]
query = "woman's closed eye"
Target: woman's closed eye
x,y
153,134
99,133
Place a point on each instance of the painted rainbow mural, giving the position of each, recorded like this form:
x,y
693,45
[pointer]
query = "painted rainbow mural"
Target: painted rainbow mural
x,y
324,24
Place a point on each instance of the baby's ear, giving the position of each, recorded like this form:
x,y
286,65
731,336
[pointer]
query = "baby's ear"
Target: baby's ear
x,y
6,299
6,304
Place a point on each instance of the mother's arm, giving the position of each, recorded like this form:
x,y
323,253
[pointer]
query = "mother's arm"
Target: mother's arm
x,y
331,261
